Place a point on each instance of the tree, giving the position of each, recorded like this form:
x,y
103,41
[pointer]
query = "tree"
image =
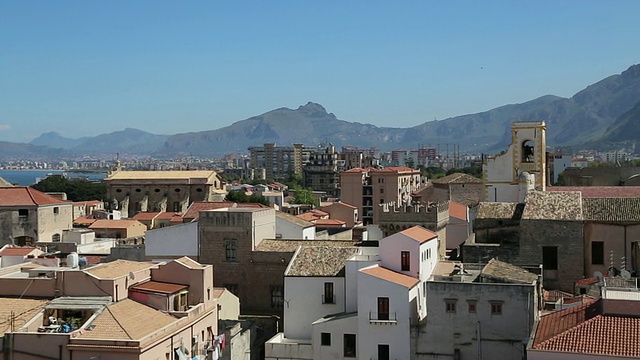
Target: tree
x,y
76,190
240,196
303,196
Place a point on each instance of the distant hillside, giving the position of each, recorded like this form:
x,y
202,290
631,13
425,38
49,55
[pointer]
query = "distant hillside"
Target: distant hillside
x,y
55,140
606,110
132,141
309,124
626,128
9,150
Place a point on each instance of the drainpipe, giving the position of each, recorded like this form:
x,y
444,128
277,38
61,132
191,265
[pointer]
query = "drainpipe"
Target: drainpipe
x,y
478,328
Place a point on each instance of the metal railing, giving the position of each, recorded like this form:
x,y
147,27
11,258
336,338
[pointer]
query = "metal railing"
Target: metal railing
x,y
390,317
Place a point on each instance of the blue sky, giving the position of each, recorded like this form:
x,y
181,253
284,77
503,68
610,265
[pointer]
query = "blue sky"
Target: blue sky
x,y
83,68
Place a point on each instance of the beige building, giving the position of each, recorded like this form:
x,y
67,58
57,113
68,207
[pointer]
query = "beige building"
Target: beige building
x,y
135,191
523,166
117,310
28,216
279,161
369,188
118,229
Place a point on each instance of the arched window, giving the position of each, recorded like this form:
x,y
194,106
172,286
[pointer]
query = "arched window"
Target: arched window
x,y
527,151
55,238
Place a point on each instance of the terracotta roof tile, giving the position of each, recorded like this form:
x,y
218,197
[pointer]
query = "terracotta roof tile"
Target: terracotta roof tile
x,y
26,196
557,322
167,215
612,209
159,287
17,251
293,219
496,210
284,245
587,281
127,320
391,276
113,224
505,272
197,206
22,309
319,261
83,220
329,222
545,205
419,234
118,268
458,178
338,204
145,215
601,191
601,335
458,211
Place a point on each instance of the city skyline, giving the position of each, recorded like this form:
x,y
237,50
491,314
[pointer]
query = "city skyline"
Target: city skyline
x,y
83,69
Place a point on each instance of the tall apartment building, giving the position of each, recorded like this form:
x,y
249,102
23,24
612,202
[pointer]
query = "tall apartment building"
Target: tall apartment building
x,y
322,172
279,161
354,157
368,188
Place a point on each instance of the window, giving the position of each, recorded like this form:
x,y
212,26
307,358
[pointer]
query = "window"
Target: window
x,y
55,238
383,308
383,352
56,210
381,191
496,308
325,339
23,214
328,297
277,296
527,152
550,257
450,305
349,345
472,306
405,260
597,253
176,206
230,249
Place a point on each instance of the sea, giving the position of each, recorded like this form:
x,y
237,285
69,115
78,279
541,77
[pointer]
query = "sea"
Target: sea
x,y
30,177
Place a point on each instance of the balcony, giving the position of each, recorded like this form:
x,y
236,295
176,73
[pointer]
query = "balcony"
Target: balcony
x,y
390,318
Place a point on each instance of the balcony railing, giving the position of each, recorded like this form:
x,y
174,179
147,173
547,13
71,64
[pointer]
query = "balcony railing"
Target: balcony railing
x,y
383,318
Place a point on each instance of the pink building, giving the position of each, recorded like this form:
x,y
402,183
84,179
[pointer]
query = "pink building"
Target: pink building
x,y
117,310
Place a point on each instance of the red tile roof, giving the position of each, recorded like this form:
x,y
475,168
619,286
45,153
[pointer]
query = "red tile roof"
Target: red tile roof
x,y
26,196
84,220
458,211
113,224
17,251
197,206
419,234
587,281
166,215
601,191
145,215
329,222
557,322
160,287
601,335
391,276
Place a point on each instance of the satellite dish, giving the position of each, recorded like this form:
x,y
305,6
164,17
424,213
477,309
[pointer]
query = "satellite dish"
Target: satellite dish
x,y
132,276
598,275
625,274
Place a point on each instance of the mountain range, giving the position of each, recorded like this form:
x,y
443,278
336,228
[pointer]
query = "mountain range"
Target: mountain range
x,y
606,113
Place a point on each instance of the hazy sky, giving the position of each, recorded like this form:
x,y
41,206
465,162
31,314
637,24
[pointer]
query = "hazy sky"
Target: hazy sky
x,y
83,68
